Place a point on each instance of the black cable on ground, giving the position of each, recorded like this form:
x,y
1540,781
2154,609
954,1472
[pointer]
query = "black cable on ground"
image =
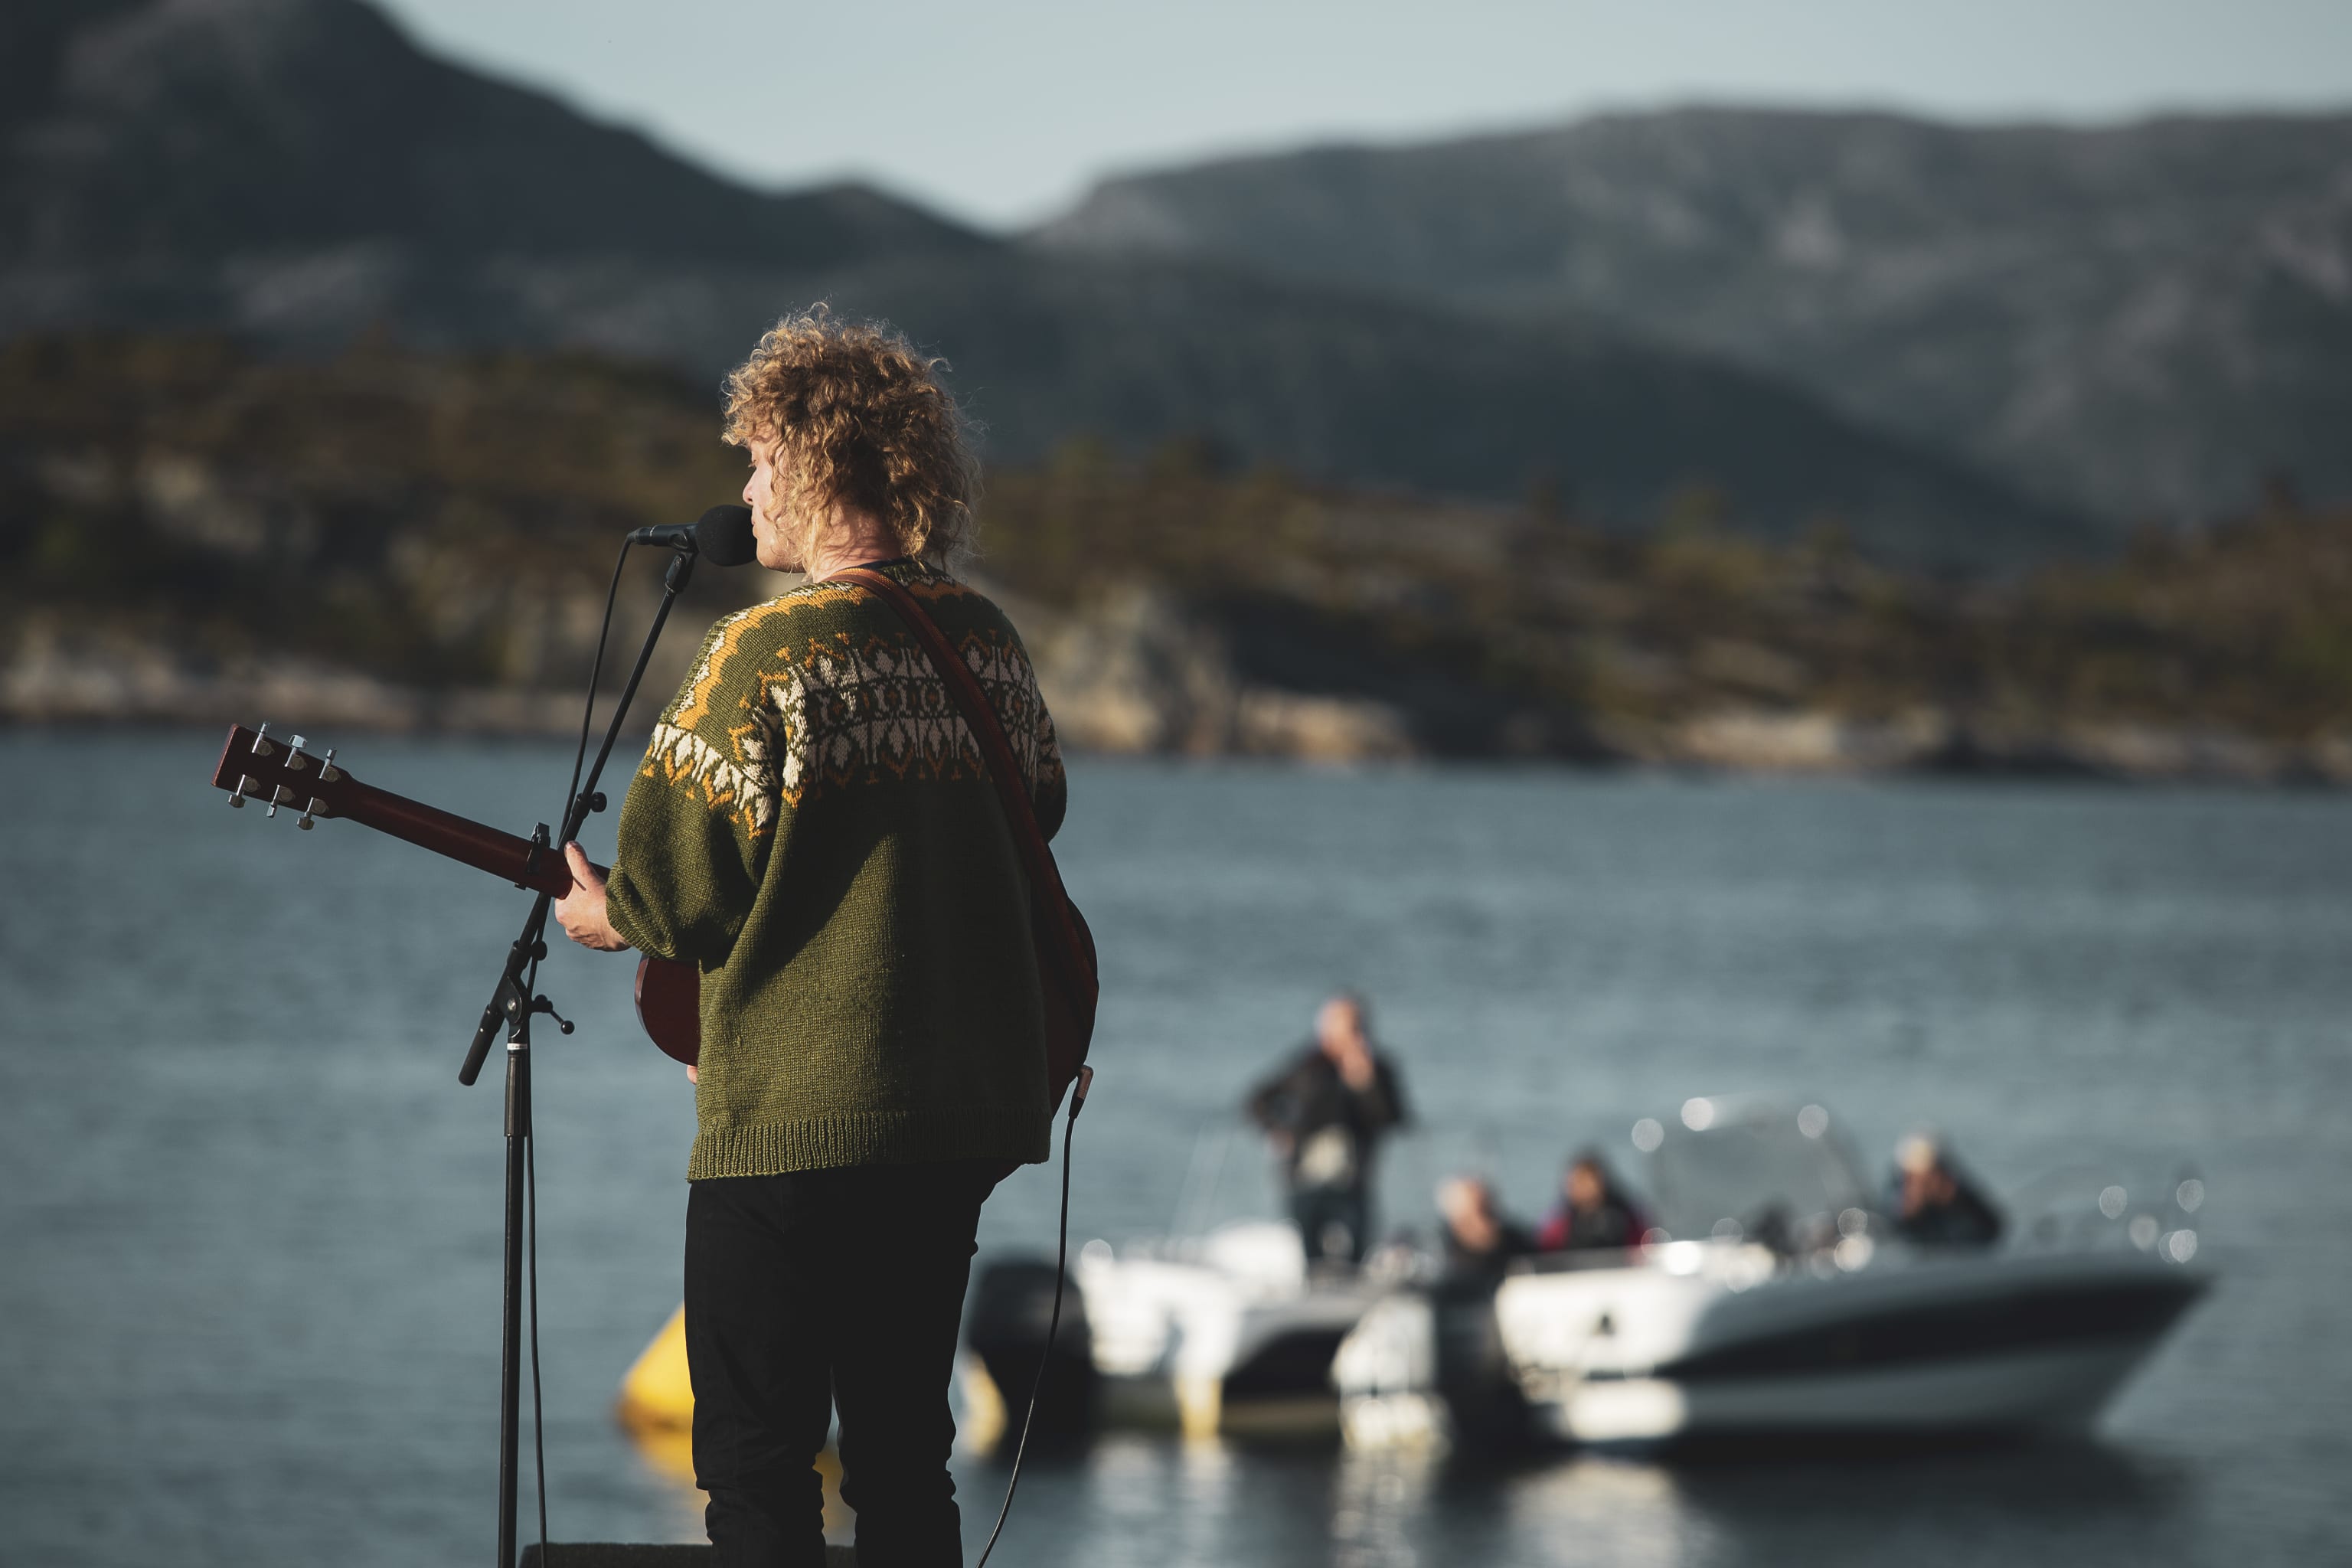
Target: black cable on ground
x,y
1045,1359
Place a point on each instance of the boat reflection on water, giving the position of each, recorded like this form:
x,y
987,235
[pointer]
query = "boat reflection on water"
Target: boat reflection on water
x,y
1211,1503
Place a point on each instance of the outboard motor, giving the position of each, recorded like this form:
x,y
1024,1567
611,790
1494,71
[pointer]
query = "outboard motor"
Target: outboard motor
x,y
1426,1367
1004,1326
1483,1401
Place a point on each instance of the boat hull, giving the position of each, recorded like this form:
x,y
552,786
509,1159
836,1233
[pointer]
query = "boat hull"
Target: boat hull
x,y
2021,1394
1239,1342
1951,1347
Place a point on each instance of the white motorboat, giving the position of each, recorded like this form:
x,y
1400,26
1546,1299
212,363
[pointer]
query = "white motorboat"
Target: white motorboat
x,y
1209,1328
1230,1332
1776,1299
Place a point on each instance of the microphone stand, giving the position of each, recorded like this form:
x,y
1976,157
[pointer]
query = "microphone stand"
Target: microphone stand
x,y
514,1004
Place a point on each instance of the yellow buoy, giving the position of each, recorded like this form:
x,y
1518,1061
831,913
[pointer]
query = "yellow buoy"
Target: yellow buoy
x,y
981,1427
657,1395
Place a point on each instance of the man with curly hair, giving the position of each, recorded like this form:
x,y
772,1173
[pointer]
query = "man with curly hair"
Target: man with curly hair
x,y
814,827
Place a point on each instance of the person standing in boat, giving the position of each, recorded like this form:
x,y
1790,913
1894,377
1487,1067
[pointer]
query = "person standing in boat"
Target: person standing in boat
x,y
1325,1114
815,825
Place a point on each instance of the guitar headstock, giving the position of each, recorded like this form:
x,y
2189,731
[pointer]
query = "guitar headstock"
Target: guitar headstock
x,y
253,766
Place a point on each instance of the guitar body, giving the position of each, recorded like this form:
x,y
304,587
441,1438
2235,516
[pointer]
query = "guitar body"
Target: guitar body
x,y
670,1005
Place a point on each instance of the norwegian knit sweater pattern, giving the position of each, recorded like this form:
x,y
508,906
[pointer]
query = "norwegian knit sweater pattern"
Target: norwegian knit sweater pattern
x,y
814,827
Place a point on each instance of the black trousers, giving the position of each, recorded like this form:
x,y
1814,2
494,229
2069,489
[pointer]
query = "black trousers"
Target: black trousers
x,y
817,1289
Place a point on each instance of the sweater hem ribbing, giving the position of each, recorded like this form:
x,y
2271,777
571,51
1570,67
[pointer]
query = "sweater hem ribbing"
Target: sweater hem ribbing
x,y
867,1138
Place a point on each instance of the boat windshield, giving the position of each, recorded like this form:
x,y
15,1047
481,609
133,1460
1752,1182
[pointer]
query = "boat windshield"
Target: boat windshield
x,y
1777,1173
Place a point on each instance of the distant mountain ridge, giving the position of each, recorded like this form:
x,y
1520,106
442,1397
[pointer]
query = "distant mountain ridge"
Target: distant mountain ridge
x,y
176,135
2145,320
295,172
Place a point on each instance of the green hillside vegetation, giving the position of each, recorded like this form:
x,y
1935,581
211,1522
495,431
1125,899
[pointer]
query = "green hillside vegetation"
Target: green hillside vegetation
x,y
428,521
438,521
2242,627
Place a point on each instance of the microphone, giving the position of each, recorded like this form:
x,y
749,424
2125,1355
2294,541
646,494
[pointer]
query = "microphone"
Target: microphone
x,y
721,536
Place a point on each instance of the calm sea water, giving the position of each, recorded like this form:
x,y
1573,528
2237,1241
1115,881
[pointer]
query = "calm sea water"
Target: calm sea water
x,y
249,1222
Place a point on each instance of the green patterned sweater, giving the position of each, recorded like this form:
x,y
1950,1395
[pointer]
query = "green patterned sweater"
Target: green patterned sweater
x,y
814,827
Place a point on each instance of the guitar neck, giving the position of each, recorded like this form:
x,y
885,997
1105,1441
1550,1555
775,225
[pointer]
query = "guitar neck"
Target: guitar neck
x,y
278,774
460,838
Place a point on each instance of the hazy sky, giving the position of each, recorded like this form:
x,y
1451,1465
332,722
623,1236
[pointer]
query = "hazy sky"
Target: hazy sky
x,y
1002,111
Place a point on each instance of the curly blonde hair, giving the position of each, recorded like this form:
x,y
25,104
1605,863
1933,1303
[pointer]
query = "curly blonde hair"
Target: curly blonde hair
x,y
862,421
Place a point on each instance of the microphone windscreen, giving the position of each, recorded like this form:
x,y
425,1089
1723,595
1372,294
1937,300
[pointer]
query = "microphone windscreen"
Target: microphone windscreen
x,y
723,537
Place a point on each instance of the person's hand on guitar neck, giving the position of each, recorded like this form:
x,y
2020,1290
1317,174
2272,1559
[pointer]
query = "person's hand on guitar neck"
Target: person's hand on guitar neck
x,y
581,912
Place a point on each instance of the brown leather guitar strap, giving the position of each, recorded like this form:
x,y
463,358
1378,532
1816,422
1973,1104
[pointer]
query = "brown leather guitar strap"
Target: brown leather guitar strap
x,y
1077,963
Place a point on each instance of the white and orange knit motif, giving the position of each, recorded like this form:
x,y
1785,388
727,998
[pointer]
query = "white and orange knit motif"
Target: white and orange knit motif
x,y
838,715
686,758
847,714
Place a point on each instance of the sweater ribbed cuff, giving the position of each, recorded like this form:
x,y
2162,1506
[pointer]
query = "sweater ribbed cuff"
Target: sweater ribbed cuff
x,y
871,1138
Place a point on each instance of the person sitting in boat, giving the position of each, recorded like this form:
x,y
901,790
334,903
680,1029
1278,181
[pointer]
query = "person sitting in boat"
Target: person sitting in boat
x,y
1934,1204
1325,1114
1478,1239
1593,1213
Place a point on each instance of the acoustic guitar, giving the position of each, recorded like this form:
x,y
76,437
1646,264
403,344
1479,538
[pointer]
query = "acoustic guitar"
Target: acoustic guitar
x,y
279,775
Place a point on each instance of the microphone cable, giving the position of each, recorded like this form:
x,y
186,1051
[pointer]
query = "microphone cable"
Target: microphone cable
x,y
596,674
1061,1272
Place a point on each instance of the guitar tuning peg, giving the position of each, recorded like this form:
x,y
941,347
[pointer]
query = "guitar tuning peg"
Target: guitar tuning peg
x,y
261,746
298,742
327,767
309,818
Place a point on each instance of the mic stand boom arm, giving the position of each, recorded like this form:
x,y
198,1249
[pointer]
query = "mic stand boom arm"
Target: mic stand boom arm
x,y
514,1003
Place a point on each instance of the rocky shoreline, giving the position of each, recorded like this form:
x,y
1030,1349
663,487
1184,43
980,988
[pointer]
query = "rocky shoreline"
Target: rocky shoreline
x,y
1158,688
